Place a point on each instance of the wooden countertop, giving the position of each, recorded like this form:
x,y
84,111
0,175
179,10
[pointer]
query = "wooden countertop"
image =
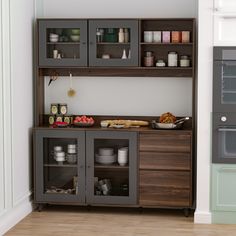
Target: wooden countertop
x,y
97,128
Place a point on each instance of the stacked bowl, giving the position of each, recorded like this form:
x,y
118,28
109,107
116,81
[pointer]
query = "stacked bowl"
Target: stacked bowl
x,y
105,156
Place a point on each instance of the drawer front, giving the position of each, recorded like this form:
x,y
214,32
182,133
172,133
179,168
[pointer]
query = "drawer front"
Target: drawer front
x,y
165,188
173,179
165,142
164,196
165,161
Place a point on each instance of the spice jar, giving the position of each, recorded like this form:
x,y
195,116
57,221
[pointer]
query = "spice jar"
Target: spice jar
x,y
165,36
51,119
172,59
68,119
148,59
59,118
184,61
63,108
148,36
160,63
54,108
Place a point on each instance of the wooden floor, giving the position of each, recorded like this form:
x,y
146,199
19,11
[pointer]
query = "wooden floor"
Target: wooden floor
x,y
55,221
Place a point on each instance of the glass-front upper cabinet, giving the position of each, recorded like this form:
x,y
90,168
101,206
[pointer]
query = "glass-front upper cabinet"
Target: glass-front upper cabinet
x,y
111,167
224,79
113,43
62,42
60,161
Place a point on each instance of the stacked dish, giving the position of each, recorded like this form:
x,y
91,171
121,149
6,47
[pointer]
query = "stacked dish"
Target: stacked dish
x,y
105,156
53,38
75,36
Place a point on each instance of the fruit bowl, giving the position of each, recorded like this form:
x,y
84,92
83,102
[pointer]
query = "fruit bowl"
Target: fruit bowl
x,y
83,124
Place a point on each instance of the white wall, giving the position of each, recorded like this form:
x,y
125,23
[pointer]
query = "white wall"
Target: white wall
x,y
16,110
205,63
113,96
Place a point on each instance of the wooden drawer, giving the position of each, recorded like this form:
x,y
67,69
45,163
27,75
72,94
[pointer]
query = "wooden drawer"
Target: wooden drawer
x,y
165,188
165,161
164,196
165,142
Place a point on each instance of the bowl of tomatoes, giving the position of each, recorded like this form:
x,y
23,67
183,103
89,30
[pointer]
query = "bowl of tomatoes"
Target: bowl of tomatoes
x,y
83,121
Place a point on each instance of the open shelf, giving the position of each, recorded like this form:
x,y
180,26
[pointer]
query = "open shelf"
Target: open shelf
x,y
65,43
168,44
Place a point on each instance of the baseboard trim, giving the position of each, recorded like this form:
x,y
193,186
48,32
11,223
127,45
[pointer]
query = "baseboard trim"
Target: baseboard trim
x,y
202,217
14,215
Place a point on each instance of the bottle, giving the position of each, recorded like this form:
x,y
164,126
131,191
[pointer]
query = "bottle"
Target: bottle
x,y
124,55
98,36
172,59
126,35
129,55
121,36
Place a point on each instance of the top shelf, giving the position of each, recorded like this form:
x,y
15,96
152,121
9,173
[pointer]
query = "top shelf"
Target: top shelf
x,y
168,44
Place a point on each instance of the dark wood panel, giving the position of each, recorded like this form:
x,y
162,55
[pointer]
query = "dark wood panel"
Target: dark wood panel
x,y
165,161
172,179
163,196
165,142
165,188
121,71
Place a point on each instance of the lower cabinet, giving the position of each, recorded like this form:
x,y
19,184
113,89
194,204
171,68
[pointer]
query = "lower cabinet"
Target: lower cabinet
x,y
165,169
85,167
224,187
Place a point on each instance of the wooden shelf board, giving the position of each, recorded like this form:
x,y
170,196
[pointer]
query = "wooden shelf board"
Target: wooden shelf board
x,y
167,44
60,166
113,166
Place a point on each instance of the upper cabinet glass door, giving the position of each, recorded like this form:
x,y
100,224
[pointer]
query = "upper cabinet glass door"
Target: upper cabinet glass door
x,y
113,43
62,42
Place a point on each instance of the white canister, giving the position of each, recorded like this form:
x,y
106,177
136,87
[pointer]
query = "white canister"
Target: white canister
x,y
148,36
157,36
122,156
184,61
71,150
172,59
60,156
55,53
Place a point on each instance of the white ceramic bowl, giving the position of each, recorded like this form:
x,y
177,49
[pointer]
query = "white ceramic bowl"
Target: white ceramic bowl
x,y
71,150
105,159
57,148
106,151
71,146
75,38
53,40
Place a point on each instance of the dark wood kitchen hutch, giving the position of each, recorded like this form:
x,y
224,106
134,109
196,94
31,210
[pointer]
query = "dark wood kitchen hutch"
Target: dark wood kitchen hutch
x,y
161,168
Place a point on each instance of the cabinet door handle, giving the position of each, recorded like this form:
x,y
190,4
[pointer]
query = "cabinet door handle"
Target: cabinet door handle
x,y
81,166
91,43
88,167
226,129
84,43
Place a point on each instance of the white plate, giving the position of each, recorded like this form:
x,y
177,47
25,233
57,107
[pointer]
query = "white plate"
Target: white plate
x,y
105,159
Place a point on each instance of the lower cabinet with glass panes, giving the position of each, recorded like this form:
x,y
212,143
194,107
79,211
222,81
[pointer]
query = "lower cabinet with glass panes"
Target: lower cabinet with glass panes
x,y
85,167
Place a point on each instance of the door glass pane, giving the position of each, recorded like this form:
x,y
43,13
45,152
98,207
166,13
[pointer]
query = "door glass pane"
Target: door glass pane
x,y
63,43
228,95
228,142
111,167
113,43
60,166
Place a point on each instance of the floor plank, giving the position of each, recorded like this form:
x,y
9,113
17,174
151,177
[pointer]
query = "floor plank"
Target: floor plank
x,y
79,221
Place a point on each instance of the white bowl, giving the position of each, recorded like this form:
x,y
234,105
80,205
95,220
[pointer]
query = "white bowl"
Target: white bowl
x,y
71,146
106,151
53,40
105,159
75,38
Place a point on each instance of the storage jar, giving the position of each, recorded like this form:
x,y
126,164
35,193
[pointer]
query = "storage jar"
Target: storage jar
x,y
172,59
165,36
54,108
175,36
184,61
63,108
157,36
185,36
148,59
148,36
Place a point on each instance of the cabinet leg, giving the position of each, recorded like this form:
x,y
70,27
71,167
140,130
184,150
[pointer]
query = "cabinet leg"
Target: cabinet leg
x,y
40,207
140,209
186,212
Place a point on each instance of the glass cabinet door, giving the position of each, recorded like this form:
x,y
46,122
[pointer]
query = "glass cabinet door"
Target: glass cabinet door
x,y
59,166
113,43
62,42
111,167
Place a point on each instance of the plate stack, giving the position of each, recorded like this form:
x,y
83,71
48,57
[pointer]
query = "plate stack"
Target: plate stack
x,y
105,156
